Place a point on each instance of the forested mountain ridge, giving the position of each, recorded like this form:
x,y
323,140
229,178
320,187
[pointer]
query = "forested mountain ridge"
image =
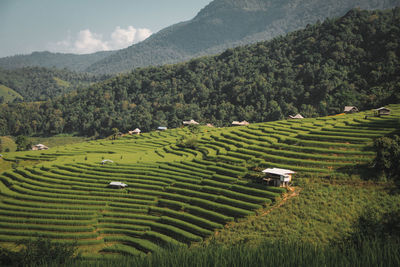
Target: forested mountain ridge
x,y
46,59
220,25
225,24
353,60
38,84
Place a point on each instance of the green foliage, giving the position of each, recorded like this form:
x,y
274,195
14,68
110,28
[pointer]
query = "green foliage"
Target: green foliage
x,y
36,252
23,143
317,70
387,160
36,84
188,142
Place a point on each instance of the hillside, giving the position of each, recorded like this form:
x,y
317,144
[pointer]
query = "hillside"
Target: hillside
x,y
225,24
220,25
353,60
46,59
177,196
38,84
7,94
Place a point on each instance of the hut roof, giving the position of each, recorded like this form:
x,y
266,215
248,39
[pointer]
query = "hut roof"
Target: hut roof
x,y
161,128
118,184
240,123
349,108
278,171
137,130
190,122
382,108
297,116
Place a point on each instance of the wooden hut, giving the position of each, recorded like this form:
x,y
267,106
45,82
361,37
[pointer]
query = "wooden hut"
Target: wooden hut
x,y
278,177
39,147
136,131
190,122
350,109
240,123
382,111
117,185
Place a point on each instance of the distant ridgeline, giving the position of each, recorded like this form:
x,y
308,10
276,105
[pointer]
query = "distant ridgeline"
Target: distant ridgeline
x,y
353,60
220,25
38,84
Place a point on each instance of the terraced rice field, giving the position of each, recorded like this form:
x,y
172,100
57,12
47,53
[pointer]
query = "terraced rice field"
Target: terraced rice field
x,y
175,196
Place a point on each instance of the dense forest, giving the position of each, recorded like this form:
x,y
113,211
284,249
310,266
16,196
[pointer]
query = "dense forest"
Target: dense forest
x,y
38,84
353,60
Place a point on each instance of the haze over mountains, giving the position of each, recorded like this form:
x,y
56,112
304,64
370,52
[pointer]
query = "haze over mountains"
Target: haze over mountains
x,y
220,25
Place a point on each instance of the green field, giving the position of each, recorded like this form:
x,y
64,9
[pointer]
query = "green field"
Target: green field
x,y
181,197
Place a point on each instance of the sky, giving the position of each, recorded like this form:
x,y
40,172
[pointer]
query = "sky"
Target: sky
x,y
86,26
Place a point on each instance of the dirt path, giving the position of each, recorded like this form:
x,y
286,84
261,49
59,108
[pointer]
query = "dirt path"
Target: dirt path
x,y
293,191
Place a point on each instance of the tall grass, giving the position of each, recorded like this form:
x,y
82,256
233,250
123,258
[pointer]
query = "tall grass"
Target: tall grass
x,y
370,252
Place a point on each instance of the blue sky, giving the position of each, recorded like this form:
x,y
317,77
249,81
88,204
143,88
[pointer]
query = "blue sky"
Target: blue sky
x,y
86,26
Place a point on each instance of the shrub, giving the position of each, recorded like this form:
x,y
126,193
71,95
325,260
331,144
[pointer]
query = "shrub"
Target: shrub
x,y
37,252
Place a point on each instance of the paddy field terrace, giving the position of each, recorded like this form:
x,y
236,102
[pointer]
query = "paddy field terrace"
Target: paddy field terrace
x,y
176,196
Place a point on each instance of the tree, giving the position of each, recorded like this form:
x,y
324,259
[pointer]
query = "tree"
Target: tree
x,y
23,143
115,132
387,160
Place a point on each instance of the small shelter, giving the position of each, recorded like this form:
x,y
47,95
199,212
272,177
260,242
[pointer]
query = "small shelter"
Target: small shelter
x,y
382,111
136,131
297,116
190,122
209,125
105,161
240,123
350,109
39,147
162,128
117,185
278,177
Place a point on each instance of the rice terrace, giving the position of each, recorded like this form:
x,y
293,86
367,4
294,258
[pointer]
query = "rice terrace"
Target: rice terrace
x,y
176,195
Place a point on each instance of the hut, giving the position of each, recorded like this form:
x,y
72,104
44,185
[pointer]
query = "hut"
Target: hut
x,y
382,111
278,177
105,161
190,122
297,116
117,185
350,109
240,123
162,128
136,131
209,125
39,147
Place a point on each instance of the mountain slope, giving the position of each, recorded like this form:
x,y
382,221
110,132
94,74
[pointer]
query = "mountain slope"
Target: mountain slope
x,y
49,60
353,60
7,94
228,23
38,84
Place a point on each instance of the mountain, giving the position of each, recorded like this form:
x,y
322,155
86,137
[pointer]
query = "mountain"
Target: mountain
x,y
228,23
353,60
49,60
220,25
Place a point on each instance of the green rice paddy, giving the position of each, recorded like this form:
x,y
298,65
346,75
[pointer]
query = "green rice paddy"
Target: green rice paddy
x,y
175,196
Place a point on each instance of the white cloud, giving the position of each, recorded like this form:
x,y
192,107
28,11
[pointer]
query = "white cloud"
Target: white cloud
x,y
88,42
